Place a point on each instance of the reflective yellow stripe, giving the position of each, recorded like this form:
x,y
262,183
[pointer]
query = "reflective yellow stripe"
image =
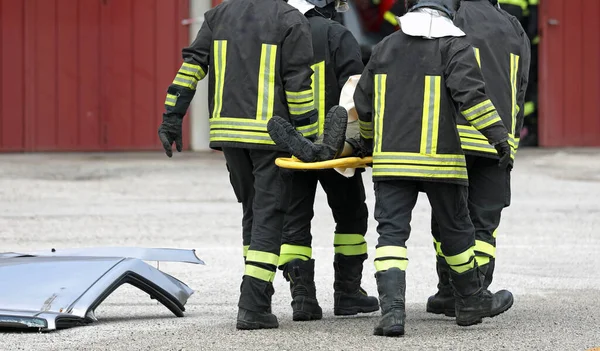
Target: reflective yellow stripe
x,y
185,81
318,85
390,251
464,267
478,110
438,248
416,158
514,71
482,260
482,247
486,120
266,82
259,273
348,239
462,258
299,109
171,100
419,171
246,247
472,135
262,257
292,252
495,232
529,108
391,18
309,130
192,70
241,137
521,3
535,40
431,115
477,56
220,62
366,129
380,90
299,96
384,265
351,250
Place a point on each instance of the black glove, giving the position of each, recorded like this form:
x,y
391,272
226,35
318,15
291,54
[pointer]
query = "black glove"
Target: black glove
x,y
503,150
169,132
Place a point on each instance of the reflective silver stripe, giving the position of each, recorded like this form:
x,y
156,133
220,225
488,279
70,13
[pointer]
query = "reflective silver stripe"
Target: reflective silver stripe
x,y
298,110
480,110
489,147
241,123
233,135
171,100
424,158
309,129
299,98
267,85
430,115
185,81
487,120
420,172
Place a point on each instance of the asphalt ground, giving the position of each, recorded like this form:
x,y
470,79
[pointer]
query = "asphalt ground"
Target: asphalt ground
x,y
548,256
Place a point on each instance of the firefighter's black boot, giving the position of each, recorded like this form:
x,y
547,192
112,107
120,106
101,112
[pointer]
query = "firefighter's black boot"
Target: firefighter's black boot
x,y
301,275
255,305
443,301
391,285
349,297
473,302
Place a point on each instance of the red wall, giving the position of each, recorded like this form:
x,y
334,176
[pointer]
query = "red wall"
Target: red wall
x,y
569,90
87,74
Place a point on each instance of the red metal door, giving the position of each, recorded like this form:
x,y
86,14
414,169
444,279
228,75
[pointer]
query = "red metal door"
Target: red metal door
x,y
569,89
86,74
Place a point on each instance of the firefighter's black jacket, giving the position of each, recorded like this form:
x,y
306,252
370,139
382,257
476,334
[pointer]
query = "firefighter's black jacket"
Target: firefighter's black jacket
x,y
503,53
258,55
406,100
337,58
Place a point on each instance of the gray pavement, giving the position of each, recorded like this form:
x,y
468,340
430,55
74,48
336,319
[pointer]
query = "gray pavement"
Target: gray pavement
x,y
548,255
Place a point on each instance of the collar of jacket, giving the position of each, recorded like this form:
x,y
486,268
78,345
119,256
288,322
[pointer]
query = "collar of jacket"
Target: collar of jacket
x,y
429,24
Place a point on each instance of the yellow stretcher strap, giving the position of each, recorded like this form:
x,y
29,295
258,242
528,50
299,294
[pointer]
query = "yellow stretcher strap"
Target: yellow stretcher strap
x,y
345,162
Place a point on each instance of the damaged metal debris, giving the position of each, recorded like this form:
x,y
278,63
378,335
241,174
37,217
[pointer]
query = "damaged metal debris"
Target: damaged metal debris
x,y
52,289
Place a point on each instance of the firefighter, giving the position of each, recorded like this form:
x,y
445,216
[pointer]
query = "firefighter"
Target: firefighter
x,y
258,54
502,50
526,12
337,57
406,99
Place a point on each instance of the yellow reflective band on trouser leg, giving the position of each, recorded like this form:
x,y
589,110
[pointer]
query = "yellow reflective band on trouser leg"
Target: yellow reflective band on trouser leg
x,y
292,252
259,273
246,247
387,257
262,257
349,244
438,248
482,248
463,261
482,260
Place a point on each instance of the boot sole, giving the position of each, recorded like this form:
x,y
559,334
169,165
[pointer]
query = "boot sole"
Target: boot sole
x,y
445,312
242,325
352,311
395,330
479,319
300,316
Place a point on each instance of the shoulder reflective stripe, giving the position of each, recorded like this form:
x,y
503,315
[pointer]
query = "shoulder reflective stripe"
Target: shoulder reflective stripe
x,y
431,115
419,171
391,251
351,250
481,247
171,100
192,70
514,70
259,273
348,239
477,56
318,85
266,82
486,120
384,265
461,258
478,110
380,90
220,61
262,257
185,81
391,18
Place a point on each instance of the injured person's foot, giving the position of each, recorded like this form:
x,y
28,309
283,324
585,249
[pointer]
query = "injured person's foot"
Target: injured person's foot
x,y
286,136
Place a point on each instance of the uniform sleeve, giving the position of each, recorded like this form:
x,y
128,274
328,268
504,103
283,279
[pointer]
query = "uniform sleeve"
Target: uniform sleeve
x,y
524,75
465,82
193,69
363,101
347,57
296,61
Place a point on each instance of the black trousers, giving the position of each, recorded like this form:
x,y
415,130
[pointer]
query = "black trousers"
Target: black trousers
x,y
394,202
489,193
263,189
346,198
